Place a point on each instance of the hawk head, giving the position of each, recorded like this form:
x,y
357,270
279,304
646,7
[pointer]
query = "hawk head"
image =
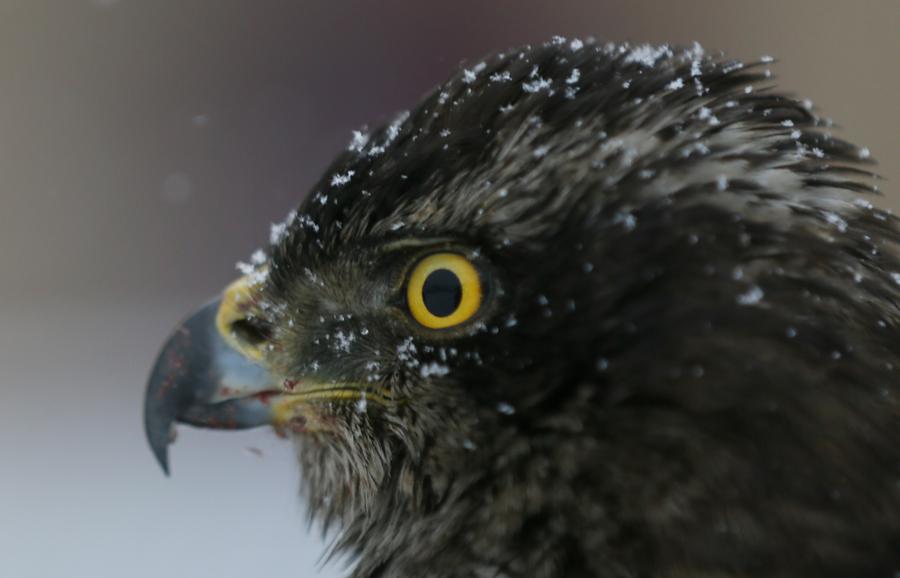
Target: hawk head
x,y
586,308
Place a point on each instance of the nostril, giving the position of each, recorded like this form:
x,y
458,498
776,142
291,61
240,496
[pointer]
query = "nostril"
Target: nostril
x,y
250,331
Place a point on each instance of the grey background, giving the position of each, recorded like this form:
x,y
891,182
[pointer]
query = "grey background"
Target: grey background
x,y
145,146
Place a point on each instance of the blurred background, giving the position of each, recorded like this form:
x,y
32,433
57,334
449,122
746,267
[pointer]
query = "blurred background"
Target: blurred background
x,y
145,146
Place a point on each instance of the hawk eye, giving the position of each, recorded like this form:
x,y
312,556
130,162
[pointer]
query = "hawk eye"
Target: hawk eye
x,y
444,290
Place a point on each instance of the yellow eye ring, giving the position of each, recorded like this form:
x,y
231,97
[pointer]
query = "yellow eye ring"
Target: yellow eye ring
x,y
444,290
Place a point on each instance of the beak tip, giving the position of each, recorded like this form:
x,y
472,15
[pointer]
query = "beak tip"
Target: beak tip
x,y
162,457
169,388
159,445
194,362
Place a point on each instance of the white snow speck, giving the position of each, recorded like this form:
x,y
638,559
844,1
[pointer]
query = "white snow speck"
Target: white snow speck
x,y
277,231
255,275
541,151
751,297
835,220
343,340
504,76
393,131
627,220
258,257
696,147
505,408
573,76
788,123
341,180
362,404
766,59
721,182
406,352
470,74
864,153
536,85
433,368
675,84
647,55
707,115
305,221
244,268
358,142
896,278
576,45
695,51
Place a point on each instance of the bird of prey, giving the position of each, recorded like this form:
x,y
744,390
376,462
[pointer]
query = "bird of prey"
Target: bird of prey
x,y
604,310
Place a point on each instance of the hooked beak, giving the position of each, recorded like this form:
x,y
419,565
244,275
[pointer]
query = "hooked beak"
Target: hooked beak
x,y
205,377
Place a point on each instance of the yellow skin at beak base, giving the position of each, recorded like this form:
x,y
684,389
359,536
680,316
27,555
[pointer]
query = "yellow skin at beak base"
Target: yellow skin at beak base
x,y
237,301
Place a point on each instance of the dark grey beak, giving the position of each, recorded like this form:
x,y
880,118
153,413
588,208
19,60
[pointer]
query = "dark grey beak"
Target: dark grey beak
x,y
200,378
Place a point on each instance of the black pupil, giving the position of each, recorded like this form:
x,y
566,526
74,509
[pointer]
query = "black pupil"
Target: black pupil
x,y
442,293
